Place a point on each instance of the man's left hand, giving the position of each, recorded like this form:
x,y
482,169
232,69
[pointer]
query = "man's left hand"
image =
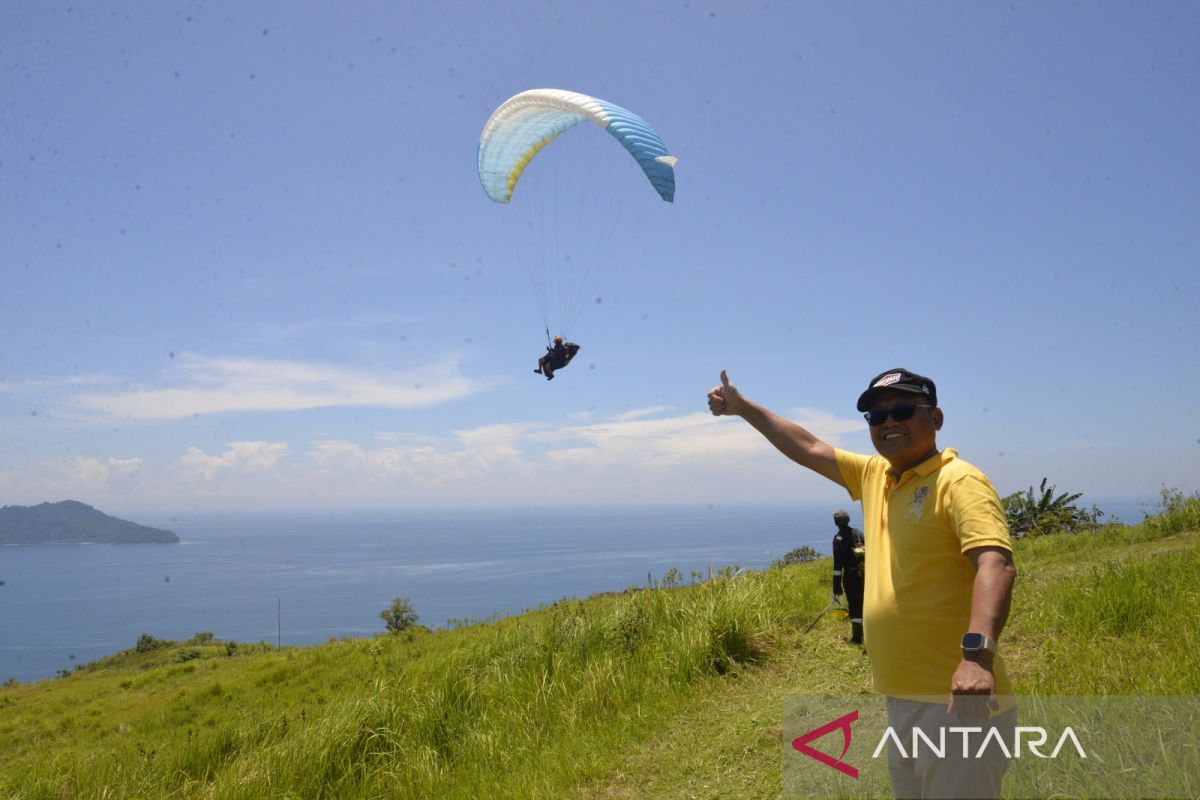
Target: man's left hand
x,y
973,689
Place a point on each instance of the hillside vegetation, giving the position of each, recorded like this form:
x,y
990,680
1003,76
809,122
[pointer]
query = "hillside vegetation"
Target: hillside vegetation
x,y
73,522
669,692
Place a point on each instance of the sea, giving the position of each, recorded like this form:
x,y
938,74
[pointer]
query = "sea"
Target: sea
x,y
305,578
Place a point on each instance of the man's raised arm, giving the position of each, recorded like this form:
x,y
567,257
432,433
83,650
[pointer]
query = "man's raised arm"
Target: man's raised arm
x,y
794,441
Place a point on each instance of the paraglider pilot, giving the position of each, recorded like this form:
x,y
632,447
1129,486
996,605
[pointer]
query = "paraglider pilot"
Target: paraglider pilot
x,y
557,357
848,570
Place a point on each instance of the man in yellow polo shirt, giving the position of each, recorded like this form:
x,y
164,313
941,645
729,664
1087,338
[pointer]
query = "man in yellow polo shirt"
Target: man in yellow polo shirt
x,y
939,573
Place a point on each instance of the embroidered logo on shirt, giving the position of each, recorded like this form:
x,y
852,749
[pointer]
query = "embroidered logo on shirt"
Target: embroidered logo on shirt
x,y
917,507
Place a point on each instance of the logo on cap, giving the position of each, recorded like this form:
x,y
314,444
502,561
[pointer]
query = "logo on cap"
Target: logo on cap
x,y
887,380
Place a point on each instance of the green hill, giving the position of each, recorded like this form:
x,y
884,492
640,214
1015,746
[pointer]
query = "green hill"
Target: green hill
x,y
672,692
72,522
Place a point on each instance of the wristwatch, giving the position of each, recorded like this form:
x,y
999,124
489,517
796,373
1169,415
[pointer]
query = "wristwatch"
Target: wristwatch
x,y
977,643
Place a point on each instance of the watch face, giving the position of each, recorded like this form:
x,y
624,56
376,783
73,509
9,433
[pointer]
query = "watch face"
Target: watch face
x,y
972,641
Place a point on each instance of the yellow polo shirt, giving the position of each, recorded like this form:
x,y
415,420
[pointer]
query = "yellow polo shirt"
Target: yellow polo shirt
x,y
917,600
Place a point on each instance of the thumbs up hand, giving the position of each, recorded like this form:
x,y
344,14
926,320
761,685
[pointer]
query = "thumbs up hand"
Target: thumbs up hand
x,y
725,399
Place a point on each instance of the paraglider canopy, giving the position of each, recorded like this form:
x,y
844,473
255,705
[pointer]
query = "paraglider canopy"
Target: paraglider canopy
x,y
527,122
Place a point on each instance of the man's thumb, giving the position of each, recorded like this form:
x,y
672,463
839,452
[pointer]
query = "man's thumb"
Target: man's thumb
x,y
724,379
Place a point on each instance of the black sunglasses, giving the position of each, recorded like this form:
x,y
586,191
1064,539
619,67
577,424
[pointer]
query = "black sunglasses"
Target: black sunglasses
x,y
904,411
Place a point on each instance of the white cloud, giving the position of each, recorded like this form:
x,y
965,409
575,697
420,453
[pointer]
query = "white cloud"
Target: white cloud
x,y
53,384
827,427
111,476
627,457
643,456
638,413
197,385
239,457
630,439
692,456
483,460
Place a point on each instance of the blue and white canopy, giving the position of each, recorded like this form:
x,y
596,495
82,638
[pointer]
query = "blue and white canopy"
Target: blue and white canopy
x,y
527,122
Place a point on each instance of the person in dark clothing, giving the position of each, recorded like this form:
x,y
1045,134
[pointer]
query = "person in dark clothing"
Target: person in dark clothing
x,y
848,557
557,357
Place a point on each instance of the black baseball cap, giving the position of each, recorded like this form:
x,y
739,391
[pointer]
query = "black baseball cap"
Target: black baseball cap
x,y
898,379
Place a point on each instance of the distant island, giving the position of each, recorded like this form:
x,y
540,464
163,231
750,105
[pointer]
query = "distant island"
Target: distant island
x,y
72,522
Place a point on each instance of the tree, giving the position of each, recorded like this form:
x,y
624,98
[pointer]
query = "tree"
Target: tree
x,y
399,616
1037,512
146,643
800,555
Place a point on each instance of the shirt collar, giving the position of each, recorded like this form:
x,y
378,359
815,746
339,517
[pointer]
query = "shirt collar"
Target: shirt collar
x,y
935,462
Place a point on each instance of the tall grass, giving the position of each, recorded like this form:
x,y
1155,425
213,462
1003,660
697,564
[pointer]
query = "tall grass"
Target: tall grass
x,y
522,707
478,720
1122,626
1179,513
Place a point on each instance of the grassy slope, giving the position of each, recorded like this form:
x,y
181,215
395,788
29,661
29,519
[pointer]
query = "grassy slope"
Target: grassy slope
x,y
665,694
1091,615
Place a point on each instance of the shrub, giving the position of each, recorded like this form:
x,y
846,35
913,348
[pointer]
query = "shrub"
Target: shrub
x,y
1179,512
1038,512
146,643
800,555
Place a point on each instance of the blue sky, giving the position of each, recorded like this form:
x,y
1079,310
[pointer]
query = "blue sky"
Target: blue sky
x,y
246,263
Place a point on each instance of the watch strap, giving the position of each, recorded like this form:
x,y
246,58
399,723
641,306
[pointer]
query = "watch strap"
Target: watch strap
x,y
978,643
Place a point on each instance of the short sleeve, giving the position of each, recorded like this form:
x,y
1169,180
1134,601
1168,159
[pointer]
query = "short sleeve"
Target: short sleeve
x,y
853,468
976,514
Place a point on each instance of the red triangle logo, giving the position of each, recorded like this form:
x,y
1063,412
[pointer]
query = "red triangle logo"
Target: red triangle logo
x,y
801,743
